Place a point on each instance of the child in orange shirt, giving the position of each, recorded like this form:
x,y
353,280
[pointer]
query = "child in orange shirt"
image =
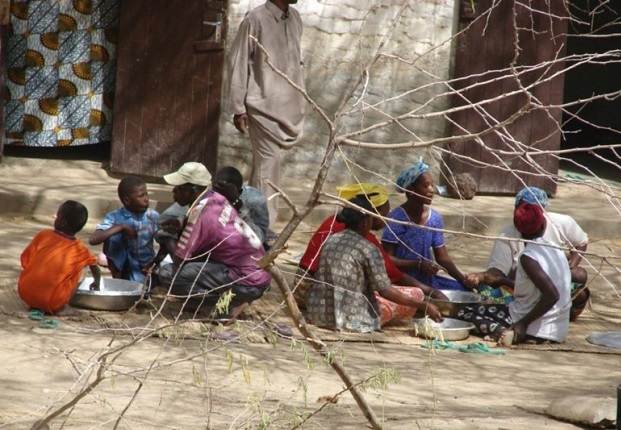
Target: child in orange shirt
x,y
54,260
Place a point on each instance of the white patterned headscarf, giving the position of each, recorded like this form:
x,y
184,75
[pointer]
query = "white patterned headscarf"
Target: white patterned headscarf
x,y
532,195
409,175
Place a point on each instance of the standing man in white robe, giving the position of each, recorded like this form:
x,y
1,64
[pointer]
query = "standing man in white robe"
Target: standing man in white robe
x,y
264,105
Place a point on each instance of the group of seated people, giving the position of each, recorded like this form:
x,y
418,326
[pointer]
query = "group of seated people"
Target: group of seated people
x,y
212,238
348,280
213,235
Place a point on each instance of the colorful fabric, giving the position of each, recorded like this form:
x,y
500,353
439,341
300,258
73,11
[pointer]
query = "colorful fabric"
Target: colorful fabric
x,y
131,256
500,295
528,218
532,195
61,71
489,320
310,259
376,194
52,267
416,243
504,295
342,297
409,175
391,311
216,232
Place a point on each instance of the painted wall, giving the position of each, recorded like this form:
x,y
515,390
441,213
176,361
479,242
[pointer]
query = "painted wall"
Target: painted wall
x,y
342,38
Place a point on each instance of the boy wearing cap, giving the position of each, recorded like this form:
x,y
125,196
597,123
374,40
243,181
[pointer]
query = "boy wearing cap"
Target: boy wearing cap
x,y
189,183
540,311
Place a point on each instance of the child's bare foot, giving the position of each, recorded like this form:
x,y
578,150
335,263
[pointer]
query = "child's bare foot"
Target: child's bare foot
x,y
506,338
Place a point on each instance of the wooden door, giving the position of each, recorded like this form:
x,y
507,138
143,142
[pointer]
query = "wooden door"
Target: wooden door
x,y
169,80
501,95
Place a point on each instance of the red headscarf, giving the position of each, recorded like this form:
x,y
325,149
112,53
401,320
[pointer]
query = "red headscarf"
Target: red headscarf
x,y
528,218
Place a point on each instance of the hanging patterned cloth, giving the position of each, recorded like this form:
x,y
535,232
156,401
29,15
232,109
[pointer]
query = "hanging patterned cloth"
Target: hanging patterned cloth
x,y
61,67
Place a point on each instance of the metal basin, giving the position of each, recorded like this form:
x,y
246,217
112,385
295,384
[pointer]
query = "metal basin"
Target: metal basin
x,y
449,329
457,300
114,295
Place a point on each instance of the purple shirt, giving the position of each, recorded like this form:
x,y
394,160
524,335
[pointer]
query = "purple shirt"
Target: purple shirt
x,y
215,230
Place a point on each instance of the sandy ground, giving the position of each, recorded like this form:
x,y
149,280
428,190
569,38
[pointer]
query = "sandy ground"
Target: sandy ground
x,y
174,383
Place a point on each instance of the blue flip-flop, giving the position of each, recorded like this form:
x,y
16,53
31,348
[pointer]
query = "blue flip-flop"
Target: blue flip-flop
x,y
48,323
36,314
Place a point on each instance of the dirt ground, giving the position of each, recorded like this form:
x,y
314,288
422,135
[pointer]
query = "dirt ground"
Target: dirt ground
x,y
177,382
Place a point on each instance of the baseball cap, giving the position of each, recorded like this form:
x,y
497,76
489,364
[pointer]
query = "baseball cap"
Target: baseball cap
x,y
190,173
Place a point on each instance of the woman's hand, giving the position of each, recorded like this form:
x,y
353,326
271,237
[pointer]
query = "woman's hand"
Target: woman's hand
x,y
434,313
427,267
473,280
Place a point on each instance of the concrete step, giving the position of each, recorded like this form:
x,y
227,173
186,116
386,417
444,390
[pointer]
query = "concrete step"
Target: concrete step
x,y
38,186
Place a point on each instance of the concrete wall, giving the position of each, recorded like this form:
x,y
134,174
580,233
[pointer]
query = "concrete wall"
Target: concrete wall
x,y
342,38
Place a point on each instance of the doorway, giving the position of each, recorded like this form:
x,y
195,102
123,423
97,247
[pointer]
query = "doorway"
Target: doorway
x,y
595,28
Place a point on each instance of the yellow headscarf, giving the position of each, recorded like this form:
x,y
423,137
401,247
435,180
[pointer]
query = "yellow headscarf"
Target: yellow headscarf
x,y
376,194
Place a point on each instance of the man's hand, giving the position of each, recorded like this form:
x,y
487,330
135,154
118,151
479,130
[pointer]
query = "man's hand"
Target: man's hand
x,y
241,122
170,225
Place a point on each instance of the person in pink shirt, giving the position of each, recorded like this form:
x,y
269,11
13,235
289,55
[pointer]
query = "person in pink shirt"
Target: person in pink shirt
x,y
217,252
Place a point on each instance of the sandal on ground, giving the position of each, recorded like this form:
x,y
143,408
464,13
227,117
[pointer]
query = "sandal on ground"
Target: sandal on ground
x,y
36,314
48,323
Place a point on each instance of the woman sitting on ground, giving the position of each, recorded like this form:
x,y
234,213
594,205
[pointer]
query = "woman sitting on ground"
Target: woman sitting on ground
x,y
540,311
410,241
351,290
378,196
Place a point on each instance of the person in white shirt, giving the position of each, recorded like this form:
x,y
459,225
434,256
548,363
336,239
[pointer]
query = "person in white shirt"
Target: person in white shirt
x,y
562,230
540,311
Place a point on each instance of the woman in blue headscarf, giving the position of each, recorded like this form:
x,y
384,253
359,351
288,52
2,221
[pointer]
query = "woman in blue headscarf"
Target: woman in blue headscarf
x,y
415,249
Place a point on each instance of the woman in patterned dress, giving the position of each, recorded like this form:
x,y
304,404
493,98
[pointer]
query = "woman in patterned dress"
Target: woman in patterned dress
x,y
351,290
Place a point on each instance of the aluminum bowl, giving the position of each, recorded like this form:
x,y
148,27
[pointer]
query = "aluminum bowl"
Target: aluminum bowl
x,y
114,295
457,300
449,329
